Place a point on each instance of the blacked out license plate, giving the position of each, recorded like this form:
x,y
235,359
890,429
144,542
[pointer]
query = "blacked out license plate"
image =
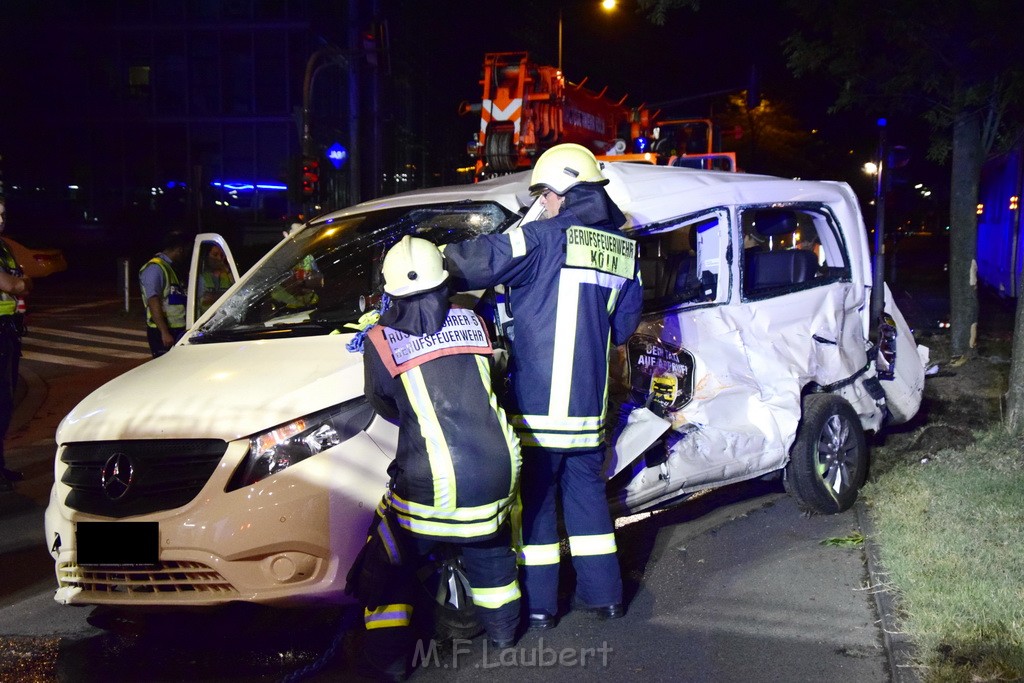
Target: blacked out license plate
x,y
117,543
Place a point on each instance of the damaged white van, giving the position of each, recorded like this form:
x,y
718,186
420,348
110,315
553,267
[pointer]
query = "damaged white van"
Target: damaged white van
x,y
245,464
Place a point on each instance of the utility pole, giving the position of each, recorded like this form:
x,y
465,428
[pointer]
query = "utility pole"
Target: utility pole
x,y
377,137
354,152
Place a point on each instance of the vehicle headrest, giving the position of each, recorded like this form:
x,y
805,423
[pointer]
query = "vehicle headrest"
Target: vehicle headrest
x,y
773,222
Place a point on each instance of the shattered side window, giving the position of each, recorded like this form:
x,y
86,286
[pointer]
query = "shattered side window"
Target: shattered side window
x,y
681,260
789,248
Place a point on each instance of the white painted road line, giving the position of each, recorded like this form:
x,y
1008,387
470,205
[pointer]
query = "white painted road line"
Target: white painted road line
x,y
87,337
61,360
91,304
132,331
48,345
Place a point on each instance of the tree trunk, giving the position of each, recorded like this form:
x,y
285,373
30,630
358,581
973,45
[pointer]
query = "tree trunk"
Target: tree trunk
x,y
1015,394
963,238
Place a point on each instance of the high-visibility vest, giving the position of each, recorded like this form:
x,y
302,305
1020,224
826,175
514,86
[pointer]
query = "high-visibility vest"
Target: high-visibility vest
x,y
216,283
9,303
172,299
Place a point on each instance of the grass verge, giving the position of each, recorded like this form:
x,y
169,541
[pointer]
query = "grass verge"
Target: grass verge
x,y
950,533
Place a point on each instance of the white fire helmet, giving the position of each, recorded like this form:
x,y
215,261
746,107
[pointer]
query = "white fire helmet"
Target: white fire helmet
x,y
413,265
564,166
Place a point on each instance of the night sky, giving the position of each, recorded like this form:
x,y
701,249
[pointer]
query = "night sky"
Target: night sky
x,y
667,67
692,54
439,47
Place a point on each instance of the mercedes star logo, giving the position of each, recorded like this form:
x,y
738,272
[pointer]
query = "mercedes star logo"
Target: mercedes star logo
x,y
118,474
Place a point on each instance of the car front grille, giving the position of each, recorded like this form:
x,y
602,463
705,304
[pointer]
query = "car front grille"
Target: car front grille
x,y
124,478
144,582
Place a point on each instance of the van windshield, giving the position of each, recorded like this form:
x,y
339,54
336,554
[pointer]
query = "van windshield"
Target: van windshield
x,y
328,273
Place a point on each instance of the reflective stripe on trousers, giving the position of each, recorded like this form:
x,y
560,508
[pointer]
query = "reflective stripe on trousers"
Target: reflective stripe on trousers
x,y
490,566
587,521
387,616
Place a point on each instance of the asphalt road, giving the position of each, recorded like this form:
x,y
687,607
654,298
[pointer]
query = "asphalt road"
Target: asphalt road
x,y
734,586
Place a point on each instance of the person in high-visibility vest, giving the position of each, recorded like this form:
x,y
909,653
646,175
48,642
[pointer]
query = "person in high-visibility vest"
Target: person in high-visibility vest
x,y
574,287
163,294
13,288
427,366
215,280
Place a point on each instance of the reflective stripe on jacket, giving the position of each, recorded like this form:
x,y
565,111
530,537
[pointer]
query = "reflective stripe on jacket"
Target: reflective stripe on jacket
x,y
574,291
457,466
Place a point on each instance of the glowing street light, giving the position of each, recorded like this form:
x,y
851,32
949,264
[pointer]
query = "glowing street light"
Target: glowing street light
x,y
871,168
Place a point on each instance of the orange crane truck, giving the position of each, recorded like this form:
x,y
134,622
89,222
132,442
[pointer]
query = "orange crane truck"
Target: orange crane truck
x,y
526,108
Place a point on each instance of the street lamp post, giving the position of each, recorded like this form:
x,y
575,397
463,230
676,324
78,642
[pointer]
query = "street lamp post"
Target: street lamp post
x,y
878,270
560,39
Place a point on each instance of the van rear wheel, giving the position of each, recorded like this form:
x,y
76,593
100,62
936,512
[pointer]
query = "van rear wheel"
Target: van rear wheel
x,y
829,459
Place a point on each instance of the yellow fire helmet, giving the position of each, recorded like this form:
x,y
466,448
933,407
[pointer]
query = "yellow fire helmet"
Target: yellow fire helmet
x,y
413,265
564,166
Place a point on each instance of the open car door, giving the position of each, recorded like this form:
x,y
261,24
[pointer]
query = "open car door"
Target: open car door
x,y
212,272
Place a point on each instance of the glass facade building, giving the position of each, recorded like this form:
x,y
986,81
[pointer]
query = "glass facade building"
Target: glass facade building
x,y
150,114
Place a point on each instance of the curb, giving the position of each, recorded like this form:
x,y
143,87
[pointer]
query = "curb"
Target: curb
x,y
898,647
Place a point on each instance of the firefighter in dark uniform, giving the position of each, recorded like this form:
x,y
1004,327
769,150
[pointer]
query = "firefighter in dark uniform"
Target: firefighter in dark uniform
x,y
456,471
13,287
574,288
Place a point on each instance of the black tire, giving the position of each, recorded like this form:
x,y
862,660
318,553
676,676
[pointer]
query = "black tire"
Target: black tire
x,y
829,459
498,151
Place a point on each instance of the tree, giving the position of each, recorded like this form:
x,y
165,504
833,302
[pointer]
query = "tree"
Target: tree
x,y
958,64
656,9
766,138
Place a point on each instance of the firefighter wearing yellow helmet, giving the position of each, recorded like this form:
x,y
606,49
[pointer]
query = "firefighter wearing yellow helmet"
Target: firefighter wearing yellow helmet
x,y
574,288
564,166
456,471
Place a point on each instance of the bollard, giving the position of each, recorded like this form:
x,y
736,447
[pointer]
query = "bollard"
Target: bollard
x,y
123,281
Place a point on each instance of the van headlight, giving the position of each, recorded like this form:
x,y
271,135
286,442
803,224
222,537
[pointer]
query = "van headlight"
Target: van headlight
x,y
284,445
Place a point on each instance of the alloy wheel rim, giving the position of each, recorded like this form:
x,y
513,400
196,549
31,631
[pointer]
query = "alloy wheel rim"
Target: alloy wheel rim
x,y
835,459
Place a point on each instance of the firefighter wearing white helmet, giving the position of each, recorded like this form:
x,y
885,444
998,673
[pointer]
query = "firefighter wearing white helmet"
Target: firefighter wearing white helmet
x,y
574,289
456,471
413,265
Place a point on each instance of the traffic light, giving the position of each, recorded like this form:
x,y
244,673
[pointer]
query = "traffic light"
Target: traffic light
x,y
310,176
370,46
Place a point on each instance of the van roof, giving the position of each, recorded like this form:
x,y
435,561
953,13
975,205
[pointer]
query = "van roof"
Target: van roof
x,y
644,192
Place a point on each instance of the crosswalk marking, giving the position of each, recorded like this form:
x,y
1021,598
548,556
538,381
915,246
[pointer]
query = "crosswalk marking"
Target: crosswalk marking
x,y
91,304
87,337
63,346
84,345
61,360
134,332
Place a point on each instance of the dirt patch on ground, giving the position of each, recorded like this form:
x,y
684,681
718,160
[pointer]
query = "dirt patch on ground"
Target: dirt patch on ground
x,y
959,399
